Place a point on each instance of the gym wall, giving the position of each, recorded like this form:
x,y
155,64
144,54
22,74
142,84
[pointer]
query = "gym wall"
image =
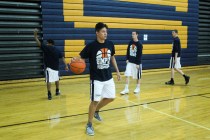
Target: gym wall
x,y
204,32
20,57
71,24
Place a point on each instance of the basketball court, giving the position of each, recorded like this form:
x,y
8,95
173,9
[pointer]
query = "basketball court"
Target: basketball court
x,y
43,38
158,112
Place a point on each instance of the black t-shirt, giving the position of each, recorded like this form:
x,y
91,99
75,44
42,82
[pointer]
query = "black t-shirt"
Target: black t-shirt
x,y
99,55
51,56
176,47
134,52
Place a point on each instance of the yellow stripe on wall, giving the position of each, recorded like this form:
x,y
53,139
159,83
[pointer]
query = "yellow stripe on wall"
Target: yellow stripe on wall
x,y
73,12
181,9
67,6
183,1
130,26
161,2
162,51
90,19
74,42
119,25
73,1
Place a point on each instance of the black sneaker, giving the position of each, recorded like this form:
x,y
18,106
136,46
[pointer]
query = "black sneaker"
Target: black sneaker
x,y
187,79
57,92
49,96
169,83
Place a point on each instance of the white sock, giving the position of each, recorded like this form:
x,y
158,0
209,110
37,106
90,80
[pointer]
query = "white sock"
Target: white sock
x,y
126,86
138,86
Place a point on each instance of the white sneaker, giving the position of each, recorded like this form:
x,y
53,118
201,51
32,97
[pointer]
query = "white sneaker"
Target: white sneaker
x,y
125,91
137,90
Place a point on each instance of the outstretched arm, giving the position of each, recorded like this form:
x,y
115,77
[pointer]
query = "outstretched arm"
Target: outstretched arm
x,y
36,37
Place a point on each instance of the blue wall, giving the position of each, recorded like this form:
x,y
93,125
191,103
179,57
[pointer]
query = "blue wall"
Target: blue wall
x,y
68,21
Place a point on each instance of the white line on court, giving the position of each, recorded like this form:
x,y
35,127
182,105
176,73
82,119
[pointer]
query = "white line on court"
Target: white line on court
x,y
171,116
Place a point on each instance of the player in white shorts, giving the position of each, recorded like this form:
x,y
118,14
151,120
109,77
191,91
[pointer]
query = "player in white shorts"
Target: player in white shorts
x,y
133,60
51,59
100,54
175,60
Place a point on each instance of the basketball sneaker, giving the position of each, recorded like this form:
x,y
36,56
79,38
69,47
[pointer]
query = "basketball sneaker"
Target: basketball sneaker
x,y
169,82
89,130
137,90
49,95
57,92
125,91
187,79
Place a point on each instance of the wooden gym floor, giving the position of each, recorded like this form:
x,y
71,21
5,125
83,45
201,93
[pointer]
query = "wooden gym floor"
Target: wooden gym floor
x,y
159,112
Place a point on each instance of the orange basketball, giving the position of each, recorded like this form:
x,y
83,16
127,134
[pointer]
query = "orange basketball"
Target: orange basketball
x,y
77,66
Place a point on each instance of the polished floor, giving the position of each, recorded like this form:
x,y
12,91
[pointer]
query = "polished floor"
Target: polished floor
x,y
159,112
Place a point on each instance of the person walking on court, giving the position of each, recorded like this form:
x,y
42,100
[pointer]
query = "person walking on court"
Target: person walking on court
x,y
134,65
100,53
51,59
175,59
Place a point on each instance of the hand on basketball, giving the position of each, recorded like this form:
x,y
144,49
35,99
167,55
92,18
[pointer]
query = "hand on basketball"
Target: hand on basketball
x,y
75,59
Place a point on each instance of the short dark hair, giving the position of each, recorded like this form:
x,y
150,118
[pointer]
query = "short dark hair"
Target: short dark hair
x,y
136,32
99,26
176,31
50,41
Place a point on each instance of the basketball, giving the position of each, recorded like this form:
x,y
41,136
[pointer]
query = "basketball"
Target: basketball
x,y
77,66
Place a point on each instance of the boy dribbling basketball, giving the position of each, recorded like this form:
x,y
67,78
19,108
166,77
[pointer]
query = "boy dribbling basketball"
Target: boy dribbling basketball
x,y
100,53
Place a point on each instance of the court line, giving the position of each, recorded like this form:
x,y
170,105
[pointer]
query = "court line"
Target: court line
x,y
171,116
87,83
3,126
68,116
204,96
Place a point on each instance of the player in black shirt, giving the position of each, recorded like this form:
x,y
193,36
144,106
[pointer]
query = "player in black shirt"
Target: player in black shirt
x,y
133,60
175,59
51,60
100,53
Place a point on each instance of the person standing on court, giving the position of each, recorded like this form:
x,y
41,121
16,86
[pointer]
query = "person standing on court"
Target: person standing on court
x,y
100,53
134,65
51,60
175,59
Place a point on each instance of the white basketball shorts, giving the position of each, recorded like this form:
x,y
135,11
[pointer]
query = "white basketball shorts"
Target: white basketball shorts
x,y
173,65
51,75
100,90
131,70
